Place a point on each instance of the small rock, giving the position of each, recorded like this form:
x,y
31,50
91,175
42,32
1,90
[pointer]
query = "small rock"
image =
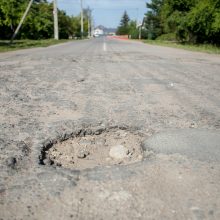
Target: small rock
x,y
82,154
130,153
118,152
140,157
47,161
11,162
192,125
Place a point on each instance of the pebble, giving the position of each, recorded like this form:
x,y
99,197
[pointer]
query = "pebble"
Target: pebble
x,y
118,152
82,154
11,162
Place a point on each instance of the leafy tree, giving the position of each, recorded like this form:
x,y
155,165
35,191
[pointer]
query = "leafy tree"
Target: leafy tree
x,y
204,21
76,26
133,30
216,26
174,17
4,29
11,11
64,25
196,21
39,22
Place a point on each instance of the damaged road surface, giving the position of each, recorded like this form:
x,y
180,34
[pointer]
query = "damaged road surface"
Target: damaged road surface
x,y
109,129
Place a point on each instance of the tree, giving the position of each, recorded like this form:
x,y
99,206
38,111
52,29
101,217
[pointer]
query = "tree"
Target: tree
x,y
133,30
153,19
196,21
124,20
216,26
12,11
204,21
123,29
38,23
174,17
75,26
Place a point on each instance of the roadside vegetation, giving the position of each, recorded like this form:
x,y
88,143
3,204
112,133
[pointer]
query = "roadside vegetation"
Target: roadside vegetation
x,y
189,24
129,27
38,26
23,44
39,22
208,48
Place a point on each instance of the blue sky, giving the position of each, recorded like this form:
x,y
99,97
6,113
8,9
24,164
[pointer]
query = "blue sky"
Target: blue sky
x,y
106,12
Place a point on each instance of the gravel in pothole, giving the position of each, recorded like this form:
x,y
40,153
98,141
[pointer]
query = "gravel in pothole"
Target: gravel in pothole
x,y
106,149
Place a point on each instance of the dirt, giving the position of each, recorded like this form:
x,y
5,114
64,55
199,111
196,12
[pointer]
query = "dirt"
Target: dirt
x,y
95,150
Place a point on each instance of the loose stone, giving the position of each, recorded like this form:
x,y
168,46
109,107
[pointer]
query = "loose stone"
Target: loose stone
x,y
82,154
118,152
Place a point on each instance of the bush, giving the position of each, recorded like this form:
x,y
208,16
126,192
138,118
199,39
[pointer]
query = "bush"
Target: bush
x,y
167,37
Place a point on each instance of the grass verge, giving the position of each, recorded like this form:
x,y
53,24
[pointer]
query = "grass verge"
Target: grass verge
x,y
207,48
23,44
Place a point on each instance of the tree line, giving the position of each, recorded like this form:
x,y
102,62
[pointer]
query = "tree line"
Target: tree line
x,y
129,27
196,21
39,22
193,21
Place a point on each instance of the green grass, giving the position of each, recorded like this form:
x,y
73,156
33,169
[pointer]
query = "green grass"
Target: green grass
x,y
23,44
208,48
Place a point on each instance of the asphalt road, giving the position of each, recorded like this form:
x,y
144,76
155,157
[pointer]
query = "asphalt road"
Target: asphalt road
x,y
169,97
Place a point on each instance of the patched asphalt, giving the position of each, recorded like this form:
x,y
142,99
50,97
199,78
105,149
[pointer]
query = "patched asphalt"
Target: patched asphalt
x,y
198,144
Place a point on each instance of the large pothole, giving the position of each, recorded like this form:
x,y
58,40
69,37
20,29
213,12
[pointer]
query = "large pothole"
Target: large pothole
x,y
112,147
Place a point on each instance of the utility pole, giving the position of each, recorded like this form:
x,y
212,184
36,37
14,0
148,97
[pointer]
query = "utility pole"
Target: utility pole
x,y
55,15
140,28
92,26
82,29
22,20
140,34
89,22
89,25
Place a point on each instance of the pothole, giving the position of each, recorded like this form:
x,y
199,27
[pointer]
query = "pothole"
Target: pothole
x,y
106,148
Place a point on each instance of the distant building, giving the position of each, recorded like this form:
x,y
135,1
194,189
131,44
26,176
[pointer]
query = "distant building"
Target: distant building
x,y
98,32
101,30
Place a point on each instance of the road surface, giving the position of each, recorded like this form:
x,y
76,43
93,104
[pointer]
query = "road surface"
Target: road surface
x,y
168,99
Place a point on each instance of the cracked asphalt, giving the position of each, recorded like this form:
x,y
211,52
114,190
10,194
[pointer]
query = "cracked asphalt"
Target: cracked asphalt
x,y
170,97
